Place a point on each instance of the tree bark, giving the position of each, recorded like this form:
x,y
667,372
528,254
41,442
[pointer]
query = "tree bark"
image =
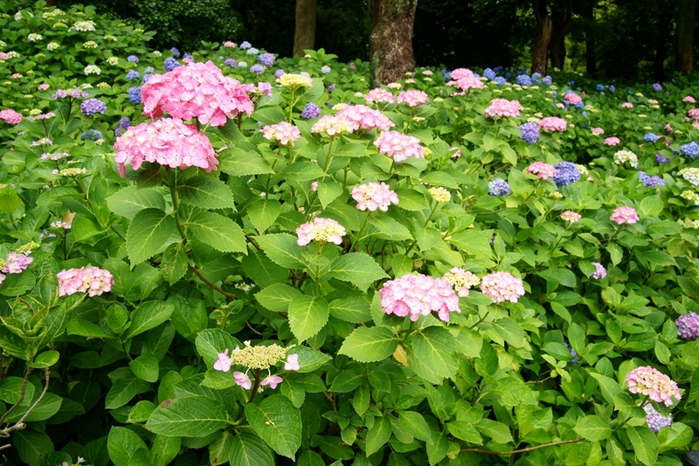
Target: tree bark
x,y
305,35
391,40
557,51
540,51
686,14
546,41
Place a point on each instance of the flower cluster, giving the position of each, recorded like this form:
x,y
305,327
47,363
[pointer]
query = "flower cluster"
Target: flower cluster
x,y
374,196
627,105
650,181
600,272
198,90
84,26
461,280
90,107
650,137
91,280
553,124
93,135
418,295
690,174
320,230
440,194
570,216
502,286
503,108
655,420
623,215
399,146
10,117
465,79
626,156
294,81
258,358
167,141
566,173
365,117
542,170
597,131
333,125
284,133
688,326
498,187
690,149
649,381
310,111
612,141
92,69
659,159
413,98
530,132
572,98
379,95
15,262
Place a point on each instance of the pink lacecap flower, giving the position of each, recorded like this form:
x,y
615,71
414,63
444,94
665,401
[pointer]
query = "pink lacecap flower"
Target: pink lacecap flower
x,y
570,216
91,280
597,131
654,384
627,105
292,363
272,381
320,230
229,44
502,286
16,262
600,272
542,169
413,98
167,141
399,146
689,99
380,95
694,113
198,90
242,380
418,295
224,362
11,117
374,196
43,87
365,117
503,108
284,133
464,79
553,124
612,141
623,215
572,98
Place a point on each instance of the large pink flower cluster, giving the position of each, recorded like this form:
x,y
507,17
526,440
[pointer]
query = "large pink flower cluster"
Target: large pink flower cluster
x,y
16,262
332,125
167,141
503,108
694,113
91,280
198,90
379,95
399,146
284,133
654,384
365,117
502,286
418,295
464,79
321,230
413,98
374,196
572,98
10,117
542,170
553,124
623,215
689,99
612,141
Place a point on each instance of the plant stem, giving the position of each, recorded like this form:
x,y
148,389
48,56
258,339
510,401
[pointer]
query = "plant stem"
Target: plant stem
x,y
210,284
523,450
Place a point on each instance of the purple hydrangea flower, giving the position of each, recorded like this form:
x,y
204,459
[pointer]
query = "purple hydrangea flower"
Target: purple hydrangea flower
x,y
650,137
310,111
279,73
91,106
524,80
498,187
690,150
175,52
132,74
688,326
655,420
489,74
530,132
266,59
600,272
149,69
230,62
331,87
657,87
566,173
659,159
132,58
135,95
500,80
650,181
548,80
257,68
91,135
612,89
170,64
146,77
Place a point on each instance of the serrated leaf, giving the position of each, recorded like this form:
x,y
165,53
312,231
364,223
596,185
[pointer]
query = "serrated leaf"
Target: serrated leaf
x,y
220,448
277,297
212,341
675,437
593,428
122,444
414,424
412,200
122,391
307,315
206,192
369,344
149,315
192,416
219,232
282,249
262,270
357,268
278,422
263,213
237,162
645,444
174,263
495,430
145,367
131,200
328,191
148,232
248,449
465,431
378,435
354,309
434,348
511,331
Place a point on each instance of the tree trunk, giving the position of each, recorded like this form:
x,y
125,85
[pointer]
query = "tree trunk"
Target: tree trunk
x,y
305,36
391,41
558,54
540,51
686,14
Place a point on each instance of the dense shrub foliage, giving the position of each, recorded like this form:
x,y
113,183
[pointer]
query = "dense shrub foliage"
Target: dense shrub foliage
x,y
230,258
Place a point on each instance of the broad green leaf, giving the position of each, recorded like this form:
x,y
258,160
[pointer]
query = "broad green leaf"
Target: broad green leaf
x,y
473,242
262,270
212,341
129,201
219,232
328,191
122,444
465,431
174,263
11,388
45,359
145,367
9,201
378,435
645,444
414,424
32,446
263,213
495,430
412,200
193,416
85,328
243,163
511,331
141,411
434,347
277,297
307,315
149,315
651,206
354,309
148,232
282,249
220,448
593,428
248,449
609,387
123,390
164,450
357,268
278,422
206,192
369,344
675,437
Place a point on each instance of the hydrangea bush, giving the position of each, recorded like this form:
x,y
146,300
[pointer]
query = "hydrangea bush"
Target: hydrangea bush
x,y
282,264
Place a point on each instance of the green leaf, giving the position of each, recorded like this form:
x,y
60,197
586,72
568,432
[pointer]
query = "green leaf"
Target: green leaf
x,y
277,297
248,449
609,387
219,232
122,444
123,390
262,270
141,411
510,331
357,268
369,344
32,446
263,213
378,435
85,328
307,315
164,450
238,162
206,192
412,200
473,242
131,200
465,431
414,424
220,448
145,367
282,249
9,201
645,444
192,416
593,428
651,206
83,229
148,232
149,315
174,263
675,437
278,422
44,360
495,430
433,348
328,191
354,309
212,341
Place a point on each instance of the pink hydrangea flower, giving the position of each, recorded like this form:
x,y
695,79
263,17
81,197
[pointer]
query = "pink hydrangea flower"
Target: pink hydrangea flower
x,y
694,113
292,363
668,128
284,133
570,216
16,262
314,186
572,98
4,56
2,278
399,146
167,141
379,95
224,362
229,44
597,131
464,79
10,117
413,98
43,87
689,99
333,125
553,124
320,230
502,286
623,215
242,380
272,381
365,117
91,280
374,196
265,88
612,141
456,154
503,108
657,386
418,295
16,75
600,272
627,105
542,170
198,90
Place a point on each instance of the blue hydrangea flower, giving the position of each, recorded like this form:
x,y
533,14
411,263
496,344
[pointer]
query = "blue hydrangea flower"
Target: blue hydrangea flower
x,y
245,45
657,87
524,80
579,105
230,62
573,353
310,111
149,69
490,74
612,89
266,59
500,80
650,181
91,135
331,87
548,80
536,78
132,58
189,56
498,187
132,74
554,94
146,77
135,95
90,107
655,420
690,150
175,52
257,68
530,132
659,159
571,83
566,173
170,64
279,73
600,87
650,137
124,124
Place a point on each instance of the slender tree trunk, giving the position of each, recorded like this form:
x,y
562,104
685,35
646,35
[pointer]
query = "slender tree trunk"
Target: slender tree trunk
x,y
557,51
305,36
686,15
540,51
391,40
